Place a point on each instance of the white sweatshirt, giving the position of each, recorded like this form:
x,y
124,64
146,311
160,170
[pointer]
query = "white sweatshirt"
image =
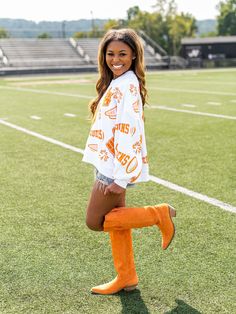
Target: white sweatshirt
x,y
116,145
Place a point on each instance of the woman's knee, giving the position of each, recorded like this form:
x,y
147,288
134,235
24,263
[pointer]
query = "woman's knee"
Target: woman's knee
x,y
94,225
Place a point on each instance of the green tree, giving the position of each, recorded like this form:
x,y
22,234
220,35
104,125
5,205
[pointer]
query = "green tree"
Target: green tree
x,y
165,26
151,23
166,7
226,20
180,25
133,12
44,36
3,33
174,26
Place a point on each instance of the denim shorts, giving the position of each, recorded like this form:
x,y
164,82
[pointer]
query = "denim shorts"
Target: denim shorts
x,y
105,180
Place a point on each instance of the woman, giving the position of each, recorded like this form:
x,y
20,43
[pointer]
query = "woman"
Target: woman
x,y
116,147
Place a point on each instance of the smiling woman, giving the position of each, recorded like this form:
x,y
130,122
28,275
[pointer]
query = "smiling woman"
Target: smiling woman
x,y
116,147
119,57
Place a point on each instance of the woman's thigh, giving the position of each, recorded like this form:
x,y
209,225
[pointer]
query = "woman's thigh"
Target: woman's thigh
x,y
99,205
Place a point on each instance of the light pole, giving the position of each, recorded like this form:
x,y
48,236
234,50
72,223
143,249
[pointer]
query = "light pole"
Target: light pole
x,y
63,25
92,22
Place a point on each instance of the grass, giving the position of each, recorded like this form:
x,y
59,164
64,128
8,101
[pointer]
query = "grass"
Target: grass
x,y
49,259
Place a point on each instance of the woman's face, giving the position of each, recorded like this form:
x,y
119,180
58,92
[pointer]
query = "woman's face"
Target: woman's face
x,y
119,57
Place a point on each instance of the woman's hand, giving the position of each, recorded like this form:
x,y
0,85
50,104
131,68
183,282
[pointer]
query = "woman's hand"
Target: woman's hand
x,y
113,188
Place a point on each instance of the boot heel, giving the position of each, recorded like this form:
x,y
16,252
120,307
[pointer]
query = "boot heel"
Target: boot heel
x,y
172,211
130,288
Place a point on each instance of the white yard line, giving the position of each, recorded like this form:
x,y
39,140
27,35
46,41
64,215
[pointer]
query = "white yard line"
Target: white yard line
x,y
193,112
42,137
188,105
71,115
35,117
191,91
202,197
210,82
192,72
90,97
172,186
213,103
42,91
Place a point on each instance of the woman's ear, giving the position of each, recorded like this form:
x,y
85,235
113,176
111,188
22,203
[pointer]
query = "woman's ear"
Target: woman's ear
x,y
134,57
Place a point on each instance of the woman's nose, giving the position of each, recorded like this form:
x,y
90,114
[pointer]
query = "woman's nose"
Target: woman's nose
x,y
116,57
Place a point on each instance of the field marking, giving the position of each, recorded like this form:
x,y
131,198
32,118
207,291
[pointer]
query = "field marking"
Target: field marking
x,y
90,97
194,112
192,91
71,115
42,137
43,91
202,197
193,72
214,103
35,117
210,82
172,186
188,105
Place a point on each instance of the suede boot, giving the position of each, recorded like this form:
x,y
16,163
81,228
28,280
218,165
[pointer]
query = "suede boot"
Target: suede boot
x,y
122,252
123,218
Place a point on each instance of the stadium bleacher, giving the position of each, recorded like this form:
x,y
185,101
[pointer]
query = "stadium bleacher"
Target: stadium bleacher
x,y
40,53
59,55
90,47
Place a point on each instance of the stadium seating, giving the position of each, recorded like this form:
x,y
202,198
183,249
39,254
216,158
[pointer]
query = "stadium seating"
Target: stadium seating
x,y
90,47
40,53
61,55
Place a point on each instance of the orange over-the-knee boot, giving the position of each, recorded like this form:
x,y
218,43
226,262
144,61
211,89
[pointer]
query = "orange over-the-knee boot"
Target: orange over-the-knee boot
x,y
137,217
122,252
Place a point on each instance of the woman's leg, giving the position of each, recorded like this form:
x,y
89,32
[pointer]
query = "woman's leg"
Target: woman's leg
x,y
99,205
121,240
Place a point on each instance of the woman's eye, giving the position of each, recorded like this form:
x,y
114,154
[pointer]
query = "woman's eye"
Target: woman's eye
x,y
122,54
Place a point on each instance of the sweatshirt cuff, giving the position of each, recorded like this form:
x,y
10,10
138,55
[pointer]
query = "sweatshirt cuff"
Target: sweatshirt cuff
x,y
121,183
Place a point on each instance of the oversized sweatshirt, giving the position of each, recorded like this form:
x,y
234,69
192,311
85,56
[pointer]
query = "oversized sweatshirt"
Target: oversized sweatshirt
x,y
116,145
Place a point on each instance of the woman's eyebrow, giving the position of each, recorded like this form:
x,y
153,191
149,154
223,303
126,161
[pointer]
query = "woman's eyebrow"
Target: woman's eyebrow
x,y
123,50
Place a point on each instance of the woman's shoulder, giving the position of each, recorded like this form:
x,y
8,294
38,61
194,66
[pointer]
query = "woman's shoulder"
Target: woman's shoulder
x,y
126,80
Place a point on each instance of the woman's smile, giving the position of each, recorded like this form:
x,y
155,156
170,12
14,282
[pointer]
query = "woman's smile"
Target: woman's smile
x,y
119,57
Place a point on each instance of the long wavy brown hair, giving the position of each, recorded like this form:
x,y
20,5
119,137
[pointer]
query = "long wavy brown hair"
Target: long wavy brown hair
x,y
129,37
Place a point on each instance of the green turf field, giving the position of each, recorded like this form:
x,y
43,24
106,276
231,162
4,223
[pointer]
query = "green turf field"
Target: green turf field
x,y
49,259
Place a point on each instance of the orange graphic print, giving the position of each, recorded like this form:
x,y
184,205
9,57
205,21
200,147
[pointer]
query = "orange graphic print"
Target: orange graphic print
x,y
132,130
133,179
133,89
136,106
111,113
125,160
117,94
93,147
132,165
110,146
107,98
137,147
122,127
97,133
103,155
145,160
